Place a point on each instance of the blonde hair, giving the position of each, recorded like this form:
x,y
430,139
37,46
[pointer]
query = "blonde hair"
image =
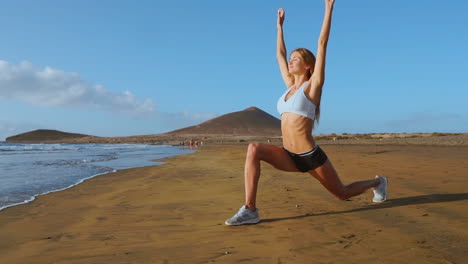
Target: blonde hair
x,y
309,60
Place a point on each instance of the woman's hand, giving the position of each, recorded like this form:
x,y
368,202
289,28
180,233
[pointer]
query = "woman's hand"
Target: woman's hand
x,y
280,16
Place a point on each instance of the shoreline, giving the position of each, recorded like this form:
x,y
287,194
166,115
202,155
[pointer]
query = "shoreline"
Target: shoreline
x,y
80,181
56,190
151,214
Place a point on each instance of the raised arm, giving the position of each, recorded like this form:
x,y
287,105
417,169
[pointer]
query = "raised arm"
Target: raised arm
x,y
281,50
318,76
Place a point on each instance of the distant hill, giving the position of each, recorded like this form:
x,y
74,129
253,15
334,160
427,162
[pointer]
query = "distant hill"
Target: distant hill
x,y
251,121
43,135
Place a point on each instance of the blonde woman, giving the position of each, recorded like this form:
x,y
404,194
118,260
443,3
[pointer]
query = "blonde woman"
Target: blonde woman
x,y
299,106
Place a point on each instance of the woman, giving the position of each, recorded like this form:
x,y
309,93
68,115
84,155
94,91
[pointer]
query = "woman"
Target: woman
x,y
299,107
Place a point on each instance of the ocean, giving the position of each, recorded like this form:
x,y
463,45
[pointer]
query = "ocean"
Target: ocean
x,y
29,170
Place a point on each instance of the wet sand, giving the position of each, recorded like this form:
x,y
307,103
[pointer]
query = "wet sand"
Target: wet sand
x,y
174,213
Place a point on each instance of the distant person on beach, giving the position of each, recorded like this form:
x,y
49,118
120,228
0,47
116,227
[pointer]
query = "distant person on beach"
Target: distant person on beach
x,y
299,107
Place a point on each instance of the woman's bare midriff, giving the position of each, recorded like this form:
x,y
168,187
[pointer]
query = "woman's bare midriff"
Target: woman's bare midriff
x,y
297,132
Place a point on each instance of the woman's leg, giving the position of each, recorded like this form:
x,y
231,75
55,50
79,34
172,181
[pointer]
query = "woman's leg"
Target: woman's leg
x,y
256,152
328,176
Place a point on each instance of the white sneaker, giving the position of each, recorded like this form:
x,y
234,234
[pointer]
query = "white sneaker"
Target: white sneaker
x,y
380,192
244,216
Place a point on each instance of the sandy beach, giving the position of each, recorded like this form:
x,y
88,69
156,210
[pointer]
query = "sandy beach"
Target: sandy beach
x,y
175,213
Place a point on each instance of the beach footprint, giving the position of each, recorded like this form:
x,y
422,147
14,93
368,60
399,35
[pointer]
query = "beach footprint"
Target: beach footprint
x,y
349,240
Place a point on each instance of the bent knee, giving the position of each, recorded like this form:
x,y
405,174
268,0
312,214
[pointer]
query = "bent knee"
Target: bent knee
x,y
253,149
342,195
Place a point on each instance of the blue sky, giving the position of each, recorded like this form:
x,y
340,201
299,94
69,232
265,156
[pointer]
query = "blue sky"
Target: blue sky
x,y
118,68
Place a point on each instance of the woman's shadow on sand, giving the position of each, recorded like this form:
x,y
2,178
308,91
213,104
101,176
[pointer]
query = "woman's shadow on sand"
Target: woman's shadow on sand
x,y
404,201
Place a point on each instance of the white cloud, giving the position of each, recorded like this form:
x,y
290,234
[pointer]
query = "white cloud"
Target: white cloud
x,y
53,87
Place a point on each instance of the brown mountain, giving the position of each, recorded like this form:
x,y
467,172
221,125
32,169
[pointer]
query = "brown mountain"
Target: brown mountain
x,y
43,135
251,121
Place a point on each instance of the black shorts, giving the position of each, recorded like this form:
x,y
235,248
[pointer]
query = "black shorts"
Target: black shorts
x,y
309,160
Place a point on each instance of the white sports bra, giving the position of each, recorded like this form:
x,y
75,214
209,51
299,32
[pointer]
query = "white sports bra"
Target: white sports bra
x,y
298,103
